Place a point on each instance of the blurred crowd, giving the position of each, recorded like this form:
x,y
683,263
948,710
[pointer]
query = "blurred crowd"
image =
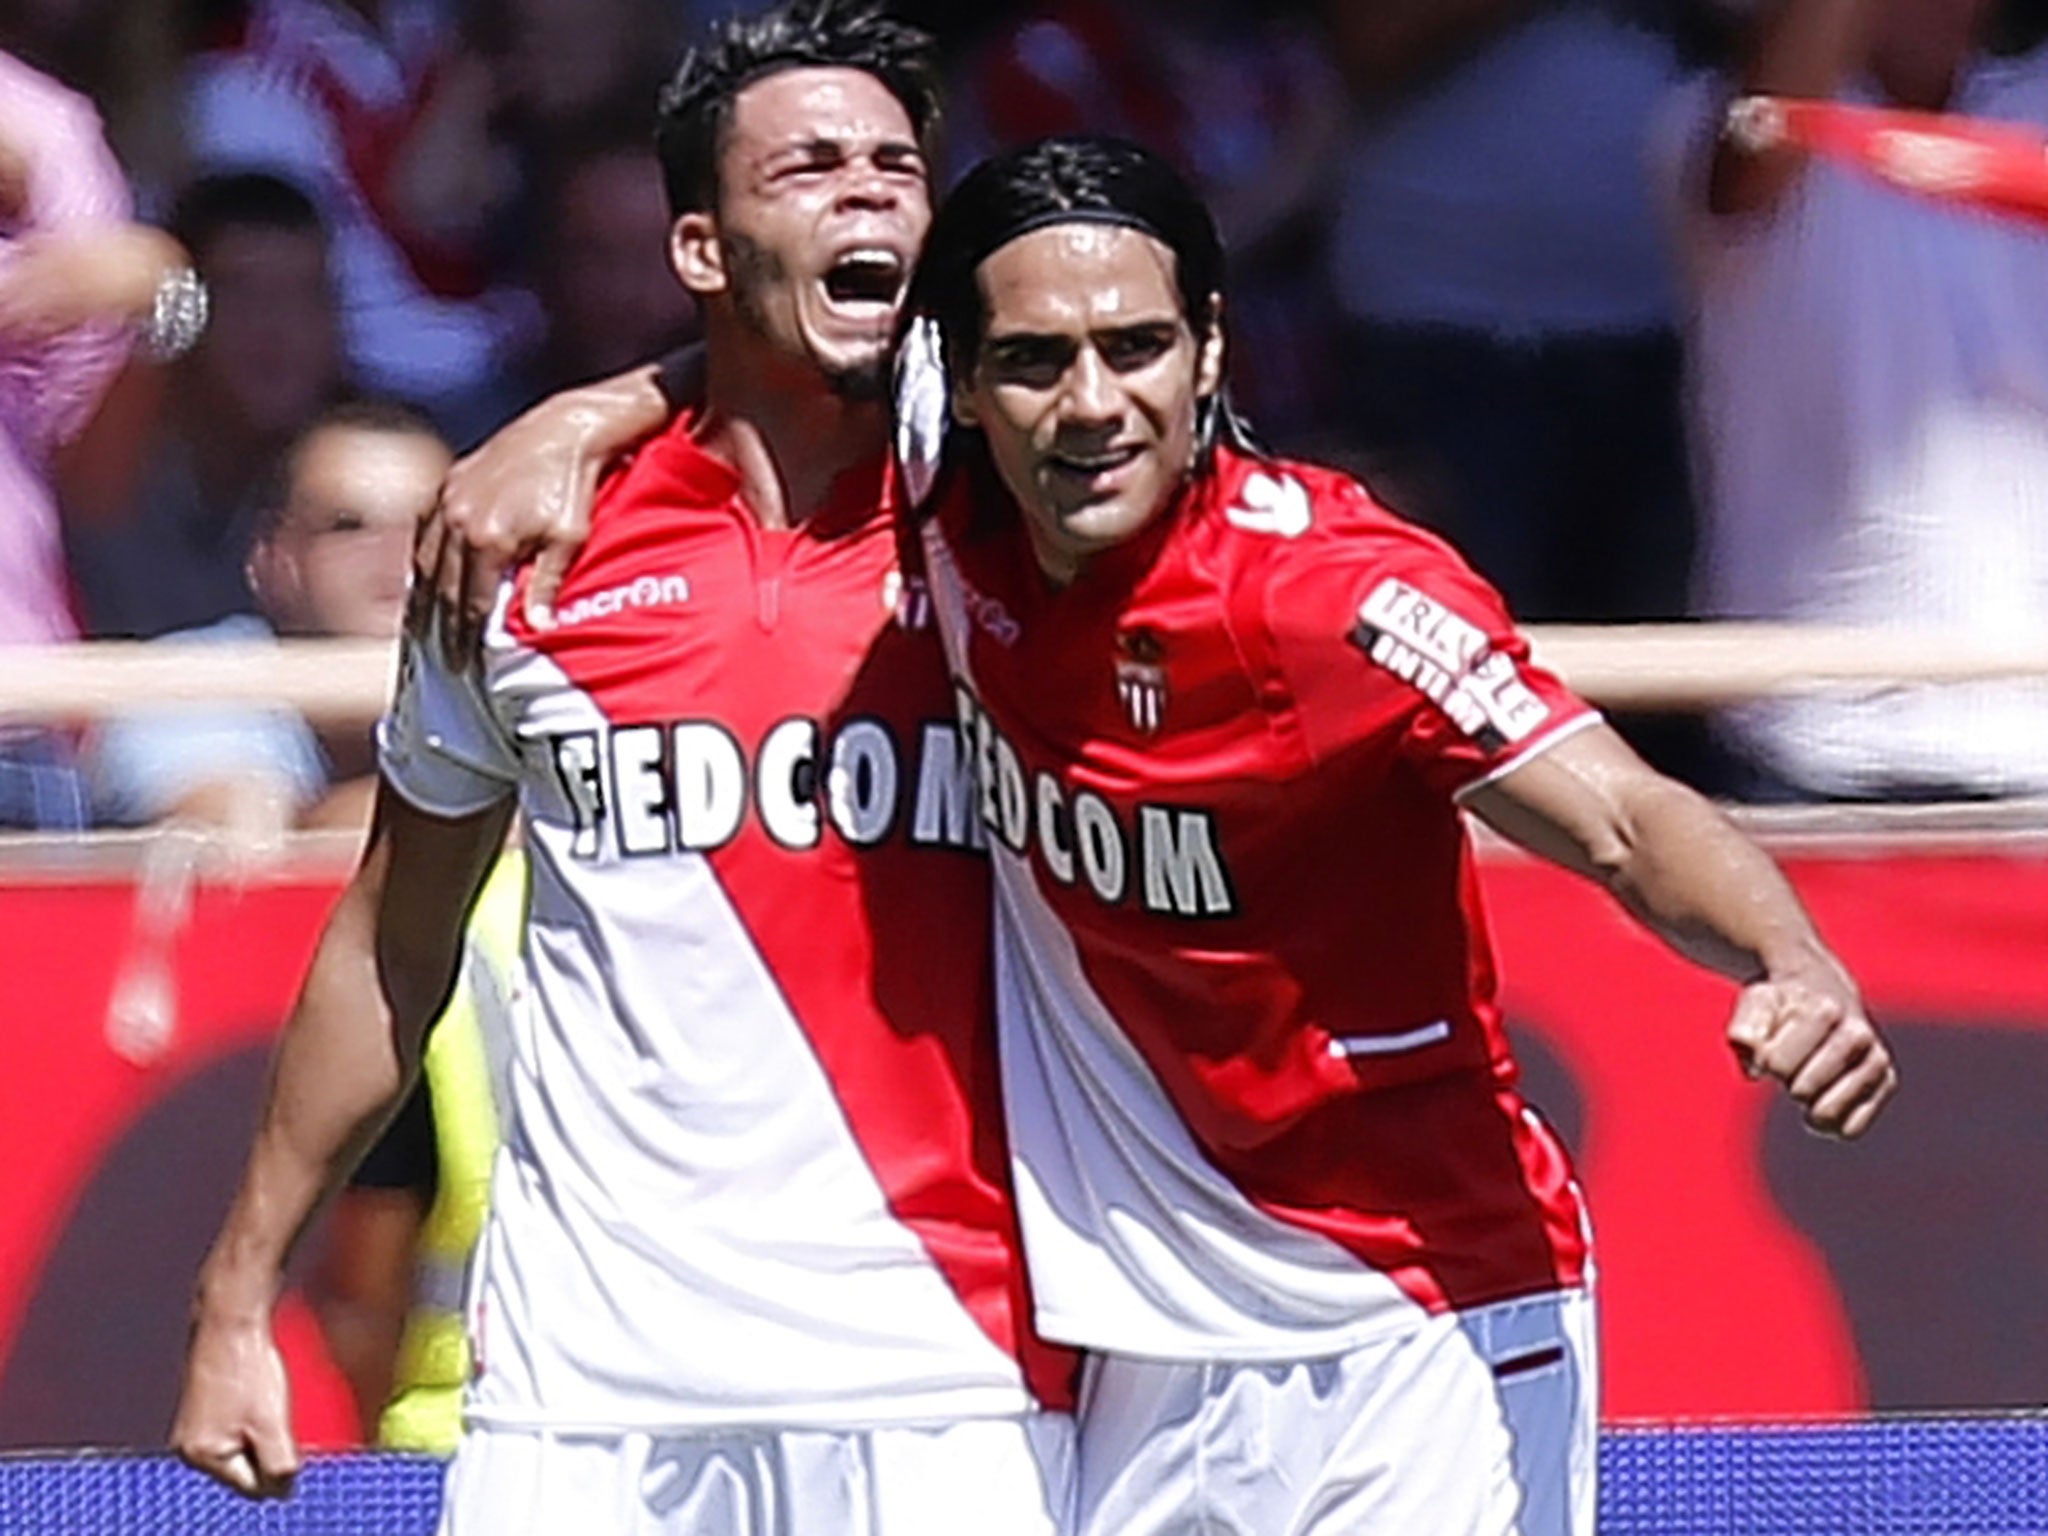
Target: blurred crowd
x,y
1481,256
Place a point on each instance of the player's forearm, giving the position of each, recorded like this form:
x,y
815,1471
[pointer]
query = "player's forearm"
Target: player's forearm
x,y
616,414
1708,891
1803,48
348,1054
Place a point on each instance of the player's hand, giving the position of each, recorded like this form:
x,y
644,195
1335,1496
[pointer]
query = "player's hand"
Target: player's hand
x,y
234,1413
1812,1035
525,493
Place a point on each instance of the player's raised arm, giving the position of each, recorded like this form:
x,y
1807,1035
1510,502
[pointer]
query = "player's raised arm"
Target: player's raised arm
x,y
525,492
383,969
1589,803
1801,48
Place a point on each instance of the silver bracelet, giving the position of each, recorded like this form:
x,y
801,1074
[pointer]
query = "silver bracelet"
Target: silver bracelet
x,y
177,316
1754,124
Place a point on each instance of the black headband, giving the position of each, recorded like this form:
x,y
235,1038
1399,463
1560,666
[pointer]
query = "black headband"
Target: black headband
x,y
1045,218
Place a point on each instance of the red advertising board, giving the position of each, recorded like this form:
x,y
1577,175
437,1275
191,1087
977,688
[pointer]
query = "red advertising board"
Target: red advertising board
x,y
1747,1268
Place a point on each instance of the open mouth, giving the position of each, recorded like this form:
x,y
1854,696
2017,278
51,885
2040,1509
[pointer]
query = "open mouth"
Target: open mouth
x,y
866,279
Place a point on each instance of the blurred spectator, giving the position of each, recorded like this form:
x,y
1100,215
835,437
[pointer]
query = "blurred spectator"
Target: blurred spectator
x,y
331,558
1241,99
564,66
1510,362
164,544
76,277
603,273
376,111
1869,379
600,269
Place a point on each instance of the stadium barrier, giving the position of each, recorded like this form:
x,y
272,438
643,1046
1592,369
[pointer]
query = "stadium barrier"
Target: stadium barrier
x,y
1884,1477
1646,667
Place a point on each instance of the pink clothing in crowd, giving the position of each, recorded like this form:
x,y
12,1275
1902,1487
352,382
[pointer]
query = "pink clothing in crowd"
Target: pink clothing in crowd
x,y
49,389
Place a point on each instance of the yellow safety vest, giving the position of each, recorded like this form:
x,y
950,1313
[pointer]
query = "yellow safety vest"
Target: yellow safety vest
x,y
425,1411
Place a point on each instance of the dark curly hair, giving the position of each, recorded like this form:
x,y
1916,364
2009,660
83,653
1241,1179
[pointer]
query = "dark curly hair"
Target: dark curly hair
x,y
696,104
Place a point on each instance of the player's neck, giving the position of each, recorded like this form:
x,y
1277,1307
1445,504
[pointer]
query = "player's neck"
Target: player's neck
x,y
1058,567
787,444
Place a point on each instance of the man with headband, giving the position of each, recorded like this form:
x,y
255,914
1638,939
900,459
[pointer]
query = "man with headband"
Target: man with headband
x,y
1225,713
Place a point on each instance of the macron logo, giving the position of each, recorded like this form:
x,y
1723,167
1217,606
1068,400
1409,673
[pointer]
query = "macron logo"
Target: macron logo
x,y
643,592
1266,505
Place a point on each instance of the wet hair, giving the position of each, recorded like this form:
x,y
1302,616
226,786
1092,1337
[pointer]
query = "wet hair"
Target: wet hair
x,y
358,413
1072,178
697,102
240,200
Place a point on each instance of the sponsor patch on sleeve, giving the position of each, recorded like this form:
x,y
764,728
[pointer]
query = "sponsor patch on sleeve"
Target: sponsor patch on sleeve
x,y
1451,662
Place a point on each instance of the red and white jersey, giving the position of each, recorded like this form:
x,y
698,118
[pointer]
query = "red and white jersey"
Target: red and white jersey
x,y
1260,1098
753,1168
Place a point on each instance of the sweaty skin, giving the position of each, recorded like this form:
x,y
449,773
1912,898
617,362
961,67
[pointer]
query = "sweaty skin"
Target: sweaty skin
x,y
1591,805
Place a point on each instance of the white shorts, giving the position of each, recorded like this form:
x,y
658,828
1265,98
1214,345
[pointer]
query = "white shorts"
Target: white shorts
x,y
1481,1423
997,1477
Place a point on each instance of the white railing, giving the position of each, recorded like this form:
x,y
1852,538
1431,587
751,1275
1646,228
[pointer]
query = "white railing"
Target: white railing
x,y
1662,667
1643,667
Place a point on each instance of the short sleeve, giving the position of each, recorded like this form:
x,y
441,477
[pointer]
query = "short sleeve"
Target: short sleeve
x,y
1385,638
440,746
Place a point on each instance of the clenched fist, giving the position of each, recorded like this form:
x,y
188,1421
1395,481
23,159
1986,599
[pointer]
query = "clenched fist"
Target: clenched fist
x,y
1814,1037
234,1414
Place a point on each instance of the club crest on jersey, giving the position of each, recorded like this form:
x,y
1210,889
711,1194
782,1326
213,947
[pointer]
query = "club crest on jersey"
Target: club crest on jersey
x,y
1451,660
1141,679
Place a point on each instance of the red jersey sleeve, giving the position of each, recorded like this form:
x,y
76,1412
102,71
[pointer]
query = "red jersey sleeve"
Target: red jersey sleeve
x,y
1385,638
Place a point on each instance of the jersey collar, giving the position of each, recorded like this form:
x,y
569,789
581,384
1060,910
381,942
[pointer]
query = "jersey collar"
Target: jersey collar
x,y
861,494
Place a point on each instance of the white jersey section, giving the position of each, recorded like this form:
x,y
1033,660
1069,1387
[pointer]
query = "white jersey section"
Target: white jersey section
x,y
683,1229
1136,1242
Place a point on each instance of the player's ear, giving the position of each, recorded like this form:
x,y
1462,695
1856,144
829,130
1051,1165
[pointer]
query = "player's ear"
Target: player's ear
x,y
1209,360
695,253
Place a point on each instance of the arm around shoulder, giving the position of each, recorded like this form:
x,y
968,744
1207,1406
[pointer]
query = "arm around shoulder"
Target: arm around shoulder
x,y
526,492
1801,48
